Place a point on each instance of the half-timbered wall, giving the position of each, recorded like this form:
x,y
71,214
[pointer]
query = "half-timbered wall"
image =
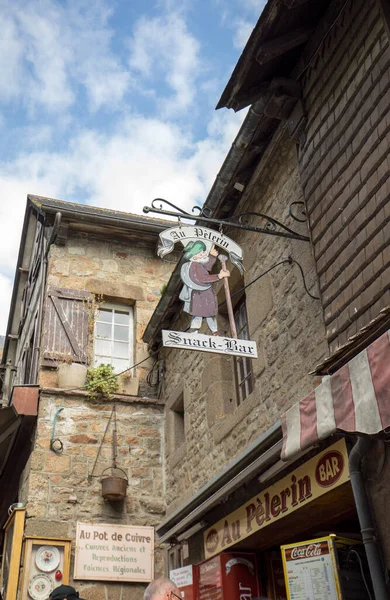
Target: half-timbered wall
x,y
345,166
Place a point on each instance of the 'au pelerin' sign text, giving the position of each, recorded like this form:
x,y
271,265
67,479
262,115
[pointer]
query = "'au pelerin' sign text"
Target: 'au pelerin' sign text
x,y
306,483
114,552
209,343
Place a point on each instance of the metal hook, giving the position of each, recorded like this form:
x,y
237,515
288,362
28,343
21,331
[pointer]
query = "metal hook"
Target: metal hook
x,y
221,228
179,221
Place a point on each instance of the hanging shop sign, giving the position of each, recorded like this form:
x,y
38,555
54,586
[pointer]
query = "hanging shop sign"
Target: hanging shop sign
x,y
198,294
114,552
316,477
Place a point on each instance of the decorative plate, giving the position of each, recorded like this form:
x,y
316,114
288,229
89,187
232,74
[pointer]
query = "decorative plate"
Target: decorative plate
x,y
47,558
40,587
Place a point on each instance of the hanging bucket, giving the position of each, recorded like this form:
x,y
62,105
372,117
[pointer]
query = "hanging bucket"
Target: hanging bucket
x,y
114,487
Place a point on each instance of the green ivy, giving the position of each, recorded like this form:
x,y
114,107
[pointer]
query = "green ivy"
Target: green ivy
x,y
102,380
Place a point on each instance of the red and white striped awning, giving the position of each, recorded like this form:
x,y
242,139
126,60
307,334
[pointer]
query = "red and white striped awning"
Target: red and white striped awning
x,y
355,399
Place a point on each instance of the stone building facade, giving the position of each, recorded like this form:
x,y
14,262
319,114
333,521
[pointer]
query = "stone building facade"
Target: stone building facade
x,y
284,321
315,77
106,260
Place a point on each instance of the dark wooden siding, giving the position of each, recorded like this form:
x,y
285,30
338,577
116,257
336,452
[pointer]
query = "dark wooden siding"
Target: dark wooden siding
x,y
345,166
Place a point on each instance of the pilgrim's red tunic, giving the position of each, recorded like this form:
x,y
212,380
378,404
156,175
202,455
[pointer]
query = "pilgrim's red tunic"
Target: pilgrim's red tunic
x,y
203,303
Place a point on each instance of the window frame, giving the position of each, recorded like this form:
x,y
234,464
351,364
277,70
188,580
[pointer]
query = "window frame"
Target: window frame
x,y
113,308
243,364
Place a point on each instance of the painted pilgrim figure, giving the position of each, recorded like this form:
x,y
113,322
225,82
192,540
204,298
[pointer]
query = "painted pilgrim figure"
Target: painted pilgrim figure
x,y
198,295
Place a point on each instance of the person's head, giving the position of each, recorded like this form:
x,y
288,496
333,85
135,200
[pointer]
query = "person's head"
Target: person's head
x,y
64,591
196,251
162,589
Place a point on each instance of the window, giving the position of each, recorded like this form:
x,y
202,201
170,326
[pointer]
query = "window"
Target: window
x,y
178,422
242,366
175,558
113,342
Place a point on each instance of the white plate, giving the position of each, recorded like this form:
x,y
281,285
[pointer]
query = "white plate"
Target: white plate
x,y
47,558
40,587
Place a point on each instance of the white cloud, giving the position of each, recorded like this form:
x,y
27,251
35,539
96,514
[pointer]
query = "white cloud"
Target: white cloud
x,y
143,159
242,31
47,49
5,299
164,46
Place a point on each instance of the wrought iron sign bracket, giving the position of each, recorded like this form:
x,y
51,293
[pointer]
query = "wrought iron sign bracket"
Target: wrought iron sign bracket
x,y
272,227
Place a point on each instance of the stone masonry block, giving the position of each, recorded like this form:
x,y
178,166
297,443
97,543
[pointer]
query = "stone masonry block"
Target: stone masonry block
x,y
115,289
220,401
56,463
216,369
45,528
48,378
259,302
38,487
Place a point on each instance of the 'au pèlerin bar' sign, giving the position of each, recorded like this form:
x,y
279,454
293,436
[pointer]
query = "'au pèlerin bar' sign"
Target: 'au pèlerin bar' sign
x,y
203,267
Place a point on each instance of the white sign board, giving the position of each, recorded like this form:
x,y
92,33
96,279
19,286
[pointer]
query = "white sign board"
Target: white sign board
x,y
182,577
310,570
209,343
114,552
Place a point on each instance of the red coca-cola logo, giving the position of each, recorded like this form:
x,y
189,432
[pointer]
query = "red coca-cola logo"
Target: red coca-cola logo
x,y
308,551
329,468
212,541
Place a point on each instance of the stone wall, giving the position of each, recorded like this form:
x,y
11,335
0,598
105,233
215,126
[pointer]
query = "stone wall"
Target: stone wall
x,y
59,489
121,271
285,322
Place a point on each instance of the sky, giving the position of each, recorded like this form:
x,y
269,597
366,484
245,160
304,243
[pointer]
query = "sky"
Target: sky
x,y
112,103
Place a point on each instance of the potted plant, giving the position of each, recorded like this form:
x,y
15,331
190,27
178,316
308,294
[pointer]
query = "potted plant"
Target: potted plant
x,y
128,384
70,375
101,381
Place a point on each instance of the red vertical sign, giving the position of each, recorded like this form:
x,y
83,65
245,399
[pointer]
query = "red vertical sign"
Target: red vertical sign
x,y
228,577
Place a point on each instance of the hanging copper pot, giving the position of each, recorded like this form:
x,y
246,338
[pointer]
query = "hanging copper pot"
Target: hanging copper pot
x,y
114,487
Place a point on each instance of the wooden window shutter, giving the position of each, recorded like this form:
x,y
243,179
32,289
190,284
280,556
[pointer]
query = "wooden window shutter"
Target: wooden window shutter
x,y
65,325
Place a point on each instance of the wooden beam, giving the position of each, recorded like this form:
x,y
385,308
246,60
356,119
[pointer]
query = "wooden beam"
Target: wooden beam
x,y
294,3
278,46
384,7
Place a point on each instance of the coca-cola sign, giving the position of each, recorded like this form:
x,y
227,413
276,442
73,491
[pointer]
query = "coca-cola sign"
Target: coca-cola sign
x,y
308,551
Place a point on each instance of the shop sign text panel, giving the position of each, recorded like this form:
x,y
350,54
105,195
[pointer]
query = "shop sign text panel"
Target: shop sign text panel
x,y
114,552
316,477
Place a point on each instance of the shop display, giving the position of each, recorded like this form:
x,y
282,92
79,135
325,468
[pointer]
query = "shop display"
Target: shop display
x,y
47,558
46,566
13,539
40,587
325,569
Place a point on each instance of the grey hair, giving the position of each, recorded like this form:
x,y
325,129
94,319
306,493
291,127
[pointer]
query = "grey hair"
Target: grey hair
x,y
159,588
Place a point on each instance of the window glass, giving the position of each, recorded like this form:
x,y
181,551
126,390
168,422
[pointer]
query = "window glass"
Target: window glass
x,y
121,318
114,337
103,330
121,333
104,315
243,366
